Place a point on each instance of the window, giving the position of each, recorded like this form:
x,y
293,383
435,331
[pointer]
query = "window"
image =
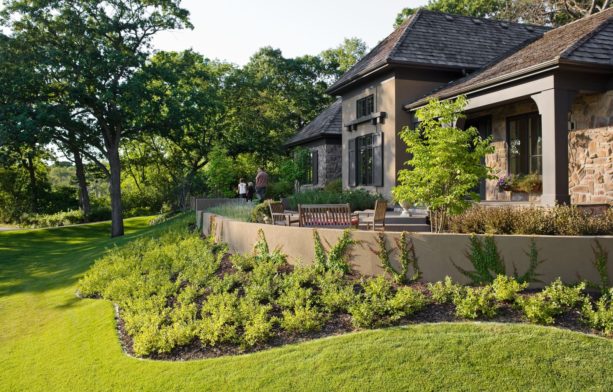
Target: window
x,y
365,106
366,160
525,143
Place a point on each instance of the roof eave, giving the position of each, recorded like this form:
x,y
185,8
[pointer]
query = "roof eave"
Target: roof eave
x,y
491,83
312,139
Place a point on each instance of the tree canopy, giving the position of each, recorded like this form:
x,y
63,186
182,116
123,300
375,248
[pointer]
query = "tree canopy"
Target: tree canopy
x,y
550,12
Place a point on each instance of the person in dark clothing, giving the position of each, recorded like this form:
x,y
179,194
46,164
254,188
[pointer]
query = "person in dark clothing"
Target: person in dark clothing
x,y
250,191
261,183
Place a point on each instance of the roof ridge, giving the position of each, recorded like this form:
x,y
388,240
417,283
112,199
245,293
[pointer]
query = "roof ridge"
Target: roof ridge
x,y
487,19
576,45
409,24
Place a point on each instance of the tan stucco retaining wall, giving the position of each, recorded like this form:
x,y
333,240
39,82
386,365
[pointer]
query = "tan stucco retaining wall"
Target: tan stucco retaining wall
x,y
565,257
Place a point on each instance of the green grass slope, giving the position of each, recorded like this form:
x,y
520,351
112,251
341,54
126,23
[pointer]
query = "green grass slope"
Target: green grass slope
x,y
52,341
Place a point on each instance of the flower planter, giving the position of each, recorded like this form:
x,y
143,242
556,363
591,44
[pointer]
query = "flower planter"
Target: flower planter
x,y
520,196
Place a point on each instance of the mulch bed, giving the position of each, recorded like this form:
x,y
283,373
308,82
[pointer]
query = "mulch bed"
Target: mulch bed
x,y
338,324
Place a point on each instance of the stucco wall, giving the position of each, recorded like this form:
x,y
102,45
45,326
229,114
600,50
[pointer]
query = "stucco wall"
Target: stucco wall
x,y
565,257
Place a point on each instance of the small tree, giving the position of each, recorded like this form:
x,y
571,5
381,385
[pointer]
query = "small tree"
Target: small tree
x,y
446,164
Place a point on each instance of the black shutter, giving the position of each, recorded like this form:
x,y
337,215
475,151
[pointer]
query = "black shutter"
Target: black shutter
x,y
315,166
352,161
377,158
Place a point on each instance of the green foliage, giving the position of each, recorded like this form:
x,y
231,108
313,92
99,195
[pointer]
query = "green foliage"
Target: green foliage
x,y
446,162
445,291
261,212
335,258
303,318
558,220
334,186
555,299
534,261
486,260
335,294
378,305
506,288
339,59
358,199
238,211
407,259
601,262
256,321
472,303
220,319
601,317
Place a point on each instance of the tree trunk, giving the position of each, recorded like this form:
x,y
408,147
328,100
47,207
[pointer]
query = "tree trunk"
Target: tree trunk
x,y
83,192
115,191
33,185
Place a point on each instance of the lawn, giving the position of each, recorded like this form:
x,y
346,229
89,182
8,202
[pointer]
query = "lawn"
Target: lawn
x,y
50,340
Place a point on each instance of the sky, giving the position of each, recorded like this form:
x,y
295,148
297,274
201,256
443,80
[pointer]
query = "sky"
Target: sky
x,y
233,30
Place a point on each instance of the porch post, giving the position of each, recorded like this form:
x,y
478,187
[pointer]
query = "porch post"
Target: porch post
x,y
554,105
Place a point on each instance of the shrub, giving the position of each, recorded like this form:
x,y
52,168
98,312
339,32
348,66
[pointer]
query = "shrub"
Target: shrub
x,y
444,292
475,302
295,296
263,282
407,259
220,319
334,186
370,308
601,317
261,212
304,318
506,288
405,302
554,300
335,295
559,220
256,322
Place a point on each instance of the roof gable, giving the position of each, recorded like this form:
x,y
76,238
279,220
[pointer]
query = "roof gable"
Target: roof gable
x,y
431,38
588,40
327,123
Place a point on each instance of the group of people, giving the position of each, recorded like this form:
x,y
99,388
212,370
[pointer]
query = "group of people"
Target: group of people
x,y
247,190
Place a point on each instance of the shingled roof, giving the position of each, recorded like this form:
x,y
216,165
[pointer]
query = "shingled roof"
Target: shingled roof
x,y
435,39
585,41
328,123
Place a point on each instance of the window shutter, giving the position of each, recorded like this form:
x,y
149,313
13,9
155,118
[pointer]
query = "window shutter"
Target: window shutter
x,y
315,166
352,162
377,155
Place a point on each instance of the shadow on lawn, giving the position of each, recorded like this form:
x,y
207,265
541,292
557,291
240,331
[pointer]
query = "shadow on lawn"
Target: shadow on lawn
x,y
40,260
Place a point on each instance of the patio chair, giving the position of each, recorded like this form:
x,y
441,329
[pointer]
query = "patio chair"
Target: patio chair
x,y
377,220
279,216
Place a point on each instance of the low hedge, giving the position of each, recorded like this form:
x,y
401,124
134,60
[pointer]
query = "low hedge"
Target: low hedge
x,y
559,220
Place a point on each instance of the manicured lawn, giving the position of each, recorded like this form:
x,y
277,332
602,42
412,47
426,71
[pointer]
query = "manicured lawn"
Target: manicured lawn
x,y
50,340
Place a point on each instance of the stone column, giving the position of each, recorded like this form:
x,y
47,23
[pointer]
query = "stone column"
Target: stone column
x,y
554,105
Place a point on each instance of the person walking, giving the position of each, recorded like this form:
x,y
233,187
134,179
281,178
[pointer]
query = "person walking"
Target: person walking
x,y
242,189
250,191
261,182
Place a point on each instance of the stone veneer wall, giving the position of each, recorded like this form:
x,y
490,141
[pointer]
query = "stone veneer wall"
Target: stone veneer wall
x,y
330,165
590,150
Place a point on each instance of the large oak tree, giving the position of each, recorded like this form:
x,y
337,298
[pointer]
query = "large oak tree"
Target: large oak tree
x,y
91,51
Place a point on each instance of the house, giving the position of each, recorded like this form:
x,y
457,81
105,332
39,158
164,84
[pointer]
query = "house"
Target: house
x,y
323,138
549,108
544,95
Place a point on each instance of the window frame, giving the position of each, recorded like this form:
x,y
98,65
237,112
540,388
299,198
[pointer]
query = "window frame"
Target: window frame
x,y
367,104
365,177
528,160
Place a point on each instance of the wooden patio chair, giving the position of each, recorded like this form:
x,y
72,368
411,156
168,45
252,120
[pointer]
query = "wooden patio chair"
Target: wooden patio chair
x,y
377,220
279,216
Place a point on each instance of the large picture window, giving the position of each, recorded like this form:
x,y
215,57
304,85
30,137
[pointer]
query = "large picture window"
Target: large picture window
x,y
365,106
525,143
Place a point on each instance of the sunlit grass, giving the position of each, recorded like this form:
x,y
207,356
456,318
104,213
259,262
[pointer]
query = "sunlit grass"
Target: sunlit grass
x,y
238,210
52,341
